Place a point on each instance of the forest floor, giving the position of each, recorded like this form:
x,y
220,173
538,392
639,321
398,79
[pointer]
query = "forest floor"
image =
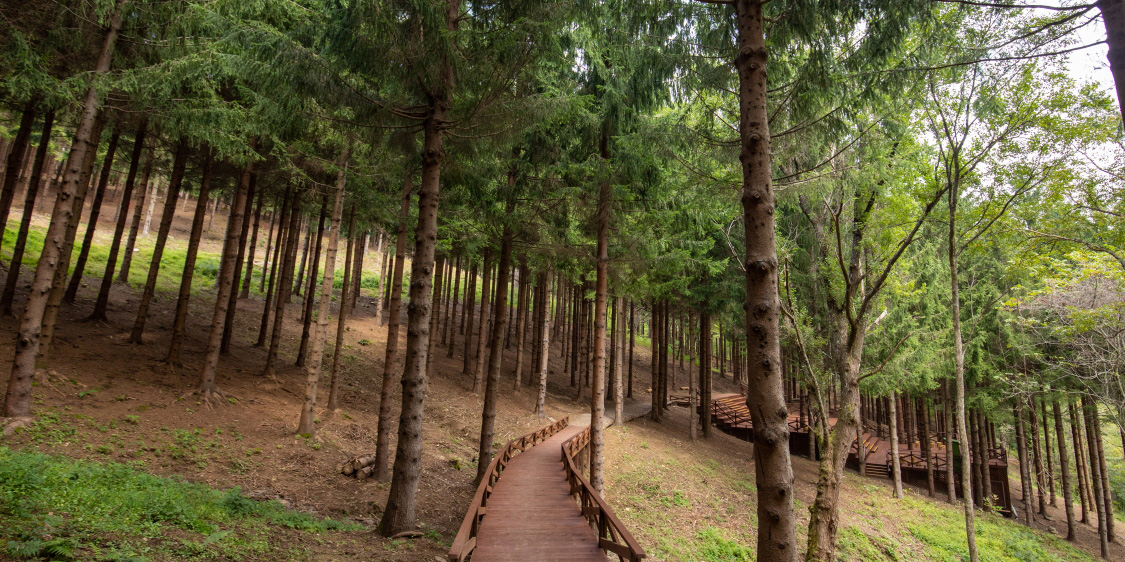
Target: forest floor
x,y
106,401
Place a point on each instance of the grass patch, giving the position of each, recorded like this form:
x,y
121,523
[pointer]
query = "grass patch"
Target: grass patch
x,y
65,509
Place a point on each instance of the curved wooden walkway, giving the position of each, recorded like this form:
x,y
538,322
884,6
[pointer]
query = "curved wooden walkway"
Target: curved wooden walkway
x,y
531,514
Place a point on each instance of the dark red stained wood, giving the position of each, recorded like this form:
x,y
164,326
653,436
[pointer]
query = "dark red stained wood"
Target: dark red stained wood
x,y
531,514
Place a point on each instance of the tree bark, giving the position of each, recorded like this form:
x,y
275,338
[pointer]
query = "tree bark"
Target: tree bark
x,y
179,163
232,306
435,317
544,345
1064,465
1079,461
950,475
1025,472
357,270
175,348
632,344
467,322
28,212
102,301
896,467
521,322
447,338
278,243
383,431
705,372
1089,412
284,283
777,533
58,282
208,389
1113,17
146,194
483,323
270,242
959,375
310,291
18,149
17,399
345,309
248,277
496,345
927,446
601,302
1107,490
92,225
1037,458
307,423
399,514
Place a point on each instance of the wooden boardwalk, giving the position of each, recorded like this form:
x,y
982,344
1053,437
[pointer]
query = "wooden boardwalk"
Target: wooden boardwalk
x,y
531,514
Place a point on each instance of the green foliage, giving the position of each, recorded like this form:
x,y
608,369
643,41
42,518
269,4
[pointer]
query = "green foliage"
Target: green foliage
x,y
714,547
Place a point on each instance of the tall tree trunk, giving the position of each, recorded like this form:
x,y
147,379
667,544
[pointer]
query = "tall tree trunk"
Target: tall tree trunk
x,y
435,317
299,282
18,149
119,230
58,282
17,399
947,412
248,277
521,322
1064,465
632,344
467,323
270,242
959,375
705,372
777,535
619,349
1113,17
345,309
310,291
284,283
1047,449
1037,458
483,322
601,302
176,346
146,195
275,267
1079,461
544,324
208,389
28,212
357,270
451,313
1025,472
1107,490
307,423
896,468
399,514
383,431
657,326
927,448
91,225
179,163
232,306
1089,411
496,345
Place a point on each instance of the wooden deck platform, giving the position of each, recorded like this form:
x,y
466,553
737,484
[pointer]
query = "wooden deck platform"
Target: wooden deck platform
x,y
531,514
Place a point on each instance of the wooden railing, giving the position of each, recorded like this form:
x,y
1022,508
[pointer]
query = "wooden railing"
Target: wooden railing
x,y
612,534
466,539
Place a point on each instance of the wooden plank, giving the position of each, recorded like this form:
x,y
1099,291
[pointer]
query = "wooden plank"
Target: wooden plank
x,y
532,514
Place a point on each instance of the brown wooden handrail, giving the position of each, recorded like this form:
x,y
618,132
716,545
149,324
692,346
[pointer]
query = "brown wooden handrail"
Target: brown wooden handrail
x,y
466,539
612,534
